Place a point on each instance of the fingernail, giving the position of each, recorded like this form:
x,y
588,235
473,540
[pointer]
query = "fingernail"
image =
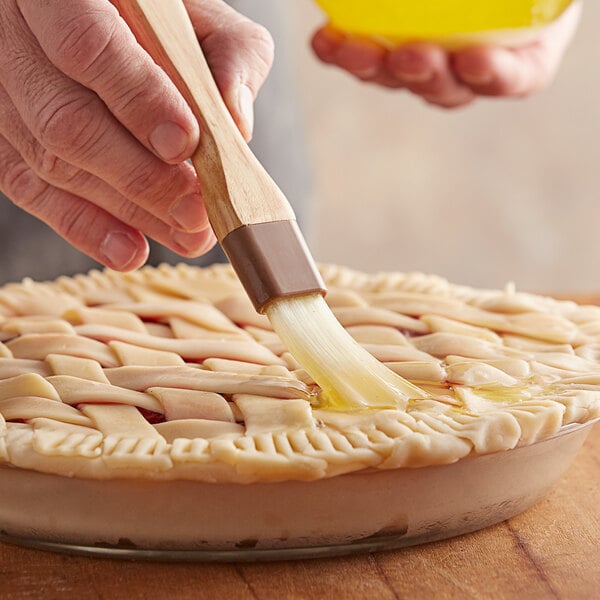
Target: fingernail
x,y
367,72
246,109
189,213
326,41
476,78
409,67
170,141
415,77
119,249
194,243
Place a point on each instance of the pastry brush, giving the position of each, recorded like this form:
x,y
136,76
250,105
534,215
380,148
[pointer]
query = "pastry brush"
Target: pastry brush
x,y
256,226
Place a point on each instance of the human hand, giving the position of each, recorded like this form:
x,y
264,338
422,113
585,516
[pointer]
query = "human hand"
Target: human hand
x,y
93,135
452,79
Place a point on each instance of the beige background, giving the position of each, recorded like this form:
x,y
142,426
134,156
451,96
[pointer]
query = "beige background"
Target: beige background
x,y
500,191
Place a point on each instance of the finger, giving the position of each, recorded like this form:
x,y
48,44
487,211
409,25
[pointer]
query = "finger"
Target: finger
x,y
361,57
501,71
84,225
94,46
326,42
239,53
506,72
425,70
75,125
519,71
69,178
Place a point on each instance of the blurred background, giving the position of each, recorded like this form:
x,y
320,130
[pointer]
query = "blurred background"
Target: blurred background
x,y
503,190
499,191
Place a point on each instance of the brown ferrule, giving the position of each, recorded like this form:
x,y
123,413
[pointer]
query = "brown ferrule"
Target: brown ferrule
x,y
272,261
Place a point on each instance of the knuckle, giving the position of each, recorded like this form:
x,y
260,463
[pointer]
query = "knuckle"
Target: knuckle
x,y
152,185
68,126
261,39
140,91
141,186
24,187
241,47
18,66
130,214
51,168
85,40
74,223
263,45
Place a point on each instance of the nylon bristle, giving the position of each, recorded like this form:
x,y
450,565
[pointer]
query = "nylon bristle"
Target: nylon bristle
x,y
349,377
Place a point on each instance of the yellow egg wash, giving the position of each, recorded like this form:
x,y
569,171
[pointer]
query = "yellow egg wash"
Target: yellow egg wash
x,y
406,19
349,377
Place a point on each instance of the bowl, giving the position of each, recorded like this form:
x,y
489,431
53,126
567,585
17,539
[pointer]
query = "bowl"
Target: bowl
x,y
451,22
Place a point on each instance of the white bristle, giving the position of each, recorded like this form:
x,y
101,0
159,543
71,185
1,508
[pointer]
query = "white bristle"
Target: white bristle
x,y
348,375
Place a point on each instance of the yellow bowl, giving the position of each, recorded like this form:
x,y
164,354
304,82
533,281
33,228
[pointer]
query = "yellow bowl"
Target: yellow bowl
x,y
449,21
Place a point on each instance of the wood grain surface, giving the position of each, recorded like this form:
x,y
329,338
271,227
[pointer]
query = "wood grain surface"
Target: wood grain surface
x,y
550,551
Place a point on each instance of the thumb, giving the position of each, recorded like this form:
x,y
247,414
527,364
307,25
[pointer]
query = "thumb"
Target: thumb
x,y
239,53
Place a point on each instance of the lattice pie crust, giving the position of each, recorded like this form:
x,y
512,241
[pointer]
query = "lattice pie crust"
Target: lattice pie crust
x,y
169,373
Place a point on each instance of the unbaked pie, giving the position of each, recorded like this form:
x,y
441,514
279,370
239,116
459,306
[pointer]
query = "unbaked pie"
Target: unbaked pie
x,y
168,373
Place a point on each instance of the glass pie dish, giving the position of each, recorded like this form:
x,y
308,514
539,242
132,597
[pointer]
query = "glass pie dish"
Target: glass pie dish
x,y
156,415
358,512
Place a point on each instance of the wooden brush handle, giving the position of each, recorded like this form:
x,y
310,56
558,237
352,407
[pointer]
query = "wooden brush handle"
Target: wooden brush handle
x,y
236,189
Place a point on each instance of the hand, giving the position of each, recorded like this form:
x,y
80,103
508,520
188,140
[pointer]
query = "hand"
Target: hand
x,y
453,79
93,134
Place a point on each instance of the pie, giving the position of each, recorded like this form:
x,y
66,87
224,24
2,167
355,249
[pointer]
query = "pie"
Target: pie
x,y
168,373
156,414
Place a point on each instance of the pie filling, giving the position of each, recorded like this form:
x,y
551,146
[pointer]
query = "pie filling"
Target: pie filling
x,y
169,373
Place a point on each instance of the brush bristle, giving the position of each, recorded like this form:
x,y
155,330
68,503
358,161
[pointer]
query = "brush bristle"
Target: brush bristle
x,y
347,374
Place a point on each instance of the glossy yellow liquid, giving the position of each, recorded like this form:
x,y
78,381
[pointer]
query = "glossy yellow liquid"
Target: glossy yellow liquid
x,y
434,19
349,377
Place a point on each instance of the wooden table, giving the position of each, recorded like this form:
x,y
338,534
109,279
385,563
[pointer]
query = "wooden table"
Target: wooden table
x,y
550,551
